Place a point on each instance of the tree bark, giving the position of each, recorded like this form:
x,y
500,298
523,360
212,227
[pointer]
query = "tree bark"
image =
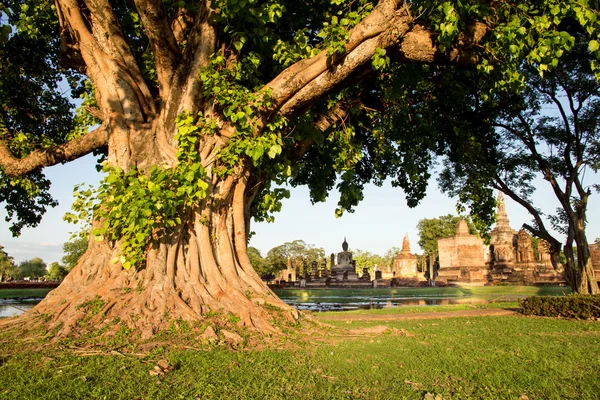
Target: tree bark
x,y
198,272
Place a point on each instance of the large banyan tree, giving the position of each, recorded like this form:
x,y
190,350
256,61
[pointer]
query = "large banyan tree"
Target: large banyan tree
x,y
199,109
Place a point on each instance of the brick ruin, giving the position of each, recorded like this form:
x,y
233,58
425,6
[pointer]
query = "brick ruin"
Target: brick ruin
x,y
510,257
405,263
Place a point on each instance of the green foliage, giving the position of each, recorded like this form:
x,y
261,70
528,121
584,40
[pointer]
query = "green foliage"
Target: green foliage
x,y
56,272
574,306
380,61
432,229
73,250
34,268
7,265
36,113
365,259
278,257
137,206
259,263
388,257
91,307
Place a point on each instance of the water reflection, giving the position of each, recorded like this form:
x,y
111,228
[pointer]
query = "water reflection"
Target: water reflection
x,y
302,300
378,304
353,300
14,307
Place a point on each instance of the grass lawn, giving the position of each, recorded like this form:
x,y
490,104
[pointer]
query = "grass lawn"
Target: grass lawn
x,y
12,293
478,358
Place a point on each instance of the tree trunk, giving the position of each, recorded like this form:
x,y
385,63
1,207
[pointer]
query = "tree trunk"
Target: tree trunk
x,y
586,280
201,269
579,272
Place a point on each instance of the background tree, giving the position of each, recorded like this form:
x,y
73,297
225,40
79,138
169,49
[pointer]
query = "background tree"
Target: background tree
x,y
432,229
277,258
7,265
34,268
548,130
56,272
365,259
73,250
389,256
262,268
201,108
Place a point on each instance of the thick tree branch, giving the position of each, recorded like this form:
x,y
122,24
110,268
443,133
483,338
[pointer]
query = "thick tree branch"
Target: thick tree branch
x,y
164,46
385,28
297,76
109,63
418,46
13,166
201,44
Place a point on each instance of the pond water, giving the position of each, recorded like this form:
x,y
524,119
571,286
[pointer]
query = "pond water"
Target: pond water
x,y
353,299
348,299
13,307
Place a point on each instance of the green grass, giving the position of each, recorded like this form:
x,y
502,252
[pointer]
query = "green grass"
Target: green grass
x,y
12,293
477,358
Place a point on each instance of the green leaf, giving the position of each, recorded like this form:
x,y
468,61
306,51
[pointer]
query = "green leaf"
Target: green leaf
x,y
274,151
594,45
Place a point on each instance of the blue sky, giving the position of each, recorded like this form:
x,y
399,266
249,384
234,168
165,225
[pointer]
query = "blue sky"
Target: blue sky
x,y
379,222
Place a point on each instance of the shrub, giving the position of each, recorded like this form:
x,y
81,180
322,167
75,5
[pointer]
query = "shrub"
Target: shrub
x,y
577,306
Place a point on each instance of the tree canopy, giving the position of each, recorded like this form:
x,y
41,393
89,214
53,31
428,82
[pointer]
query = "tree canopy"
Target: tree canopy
x,y
56,271
201,109
7,265
73,250
33,268
549,131
432,229
292,252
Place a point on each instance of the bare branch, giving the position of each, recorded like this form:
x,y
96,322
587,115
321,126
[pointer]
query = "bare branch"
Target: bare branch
x,y
13,166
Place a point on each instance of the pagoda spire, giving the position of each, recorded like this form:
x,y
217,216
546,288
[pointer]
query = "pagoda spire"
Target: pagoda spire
x,y
501,217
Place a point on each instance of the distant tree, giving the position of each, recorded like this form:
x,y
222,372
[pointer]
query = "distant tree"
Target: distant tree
x,y
388,257
597,241
34,268
73,250
277,257
260,265
56,272
548,130
432,229
365,259
7,265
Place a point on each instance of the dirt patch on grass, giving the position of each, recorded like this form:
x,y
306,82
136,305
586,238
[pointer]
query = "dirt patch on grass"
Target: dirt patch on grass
x,y
425,315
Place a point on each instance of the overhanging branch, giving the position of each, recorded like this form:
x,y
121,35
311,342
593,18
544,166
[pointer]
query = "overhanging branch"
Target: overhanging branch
x,y
13,166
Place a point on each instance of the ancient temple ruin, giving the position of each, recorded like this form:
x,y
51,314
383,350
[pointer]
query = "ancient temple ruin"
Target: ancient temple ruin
x,y
510,257
462,257
405,263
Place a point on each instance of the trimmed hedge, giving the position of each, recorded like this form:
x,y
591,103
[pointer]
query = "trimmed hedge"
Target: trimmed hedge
x,y
579,306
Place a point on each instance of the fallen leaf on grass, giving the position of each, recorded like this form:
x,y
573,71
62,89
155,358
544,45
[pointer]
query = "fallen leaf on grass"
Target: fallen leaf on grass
x,y
161,368
415,385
